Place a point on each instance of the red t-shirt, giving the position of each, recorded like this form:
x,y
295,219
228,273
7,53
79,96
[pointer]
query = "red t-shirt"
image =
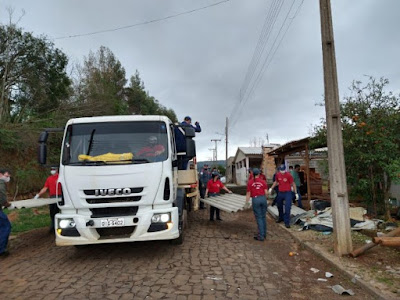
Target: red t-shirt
x,y
151,151
257,187
285,181
214,186
262,176
51,184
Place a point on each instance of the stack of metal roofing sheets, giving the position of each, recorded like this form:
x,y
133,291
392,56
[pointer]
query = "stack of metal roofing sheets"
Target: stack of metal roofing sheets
x,y
227,202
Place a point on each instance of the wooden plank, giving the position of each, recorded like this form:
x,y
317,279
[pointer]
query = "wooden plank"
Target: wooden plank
x,y
387,241
366,247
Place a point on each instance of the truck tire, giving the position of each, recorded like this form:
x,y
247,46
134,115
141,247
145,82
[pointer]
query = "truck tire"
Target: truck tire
x,y
182,227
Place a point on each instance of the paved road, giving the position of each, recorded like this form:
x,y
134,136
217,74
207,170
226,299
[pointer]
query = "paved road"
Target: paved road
x,y
217,261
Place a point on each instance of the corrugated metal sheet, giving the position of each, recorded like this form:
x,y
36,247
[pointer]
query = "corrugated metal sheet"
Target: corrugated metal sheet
x,y
251,150
227,202
34,202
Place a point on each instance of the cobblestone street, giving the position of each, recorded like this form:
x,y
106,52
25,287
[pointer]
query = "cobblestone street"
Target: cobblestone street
x,y
218,260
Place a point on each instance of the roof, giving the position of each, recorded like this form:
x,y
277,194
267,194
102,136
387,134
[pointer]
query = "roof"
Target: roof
x,y
292,147
251,150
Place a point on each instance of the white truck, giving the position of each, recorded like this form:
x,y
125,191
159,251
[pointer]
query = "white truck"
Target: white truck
x,y
114,191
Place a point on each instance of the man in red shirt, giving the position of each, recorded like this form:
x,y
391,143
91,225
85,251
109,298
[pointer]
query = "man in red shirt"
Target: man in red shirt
x,y
153,150
285,184
257,189
54,192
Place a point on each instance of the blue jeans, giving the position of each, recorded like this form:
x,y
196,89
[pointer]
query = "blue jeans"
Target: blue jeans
x,y
299,200
287,197
259,204
5,229
214,210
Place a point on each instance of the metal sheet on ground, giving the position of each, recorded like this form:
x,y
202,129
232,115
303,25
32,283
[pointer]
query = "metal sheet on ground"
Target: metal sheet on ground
x,y
30,203
227,202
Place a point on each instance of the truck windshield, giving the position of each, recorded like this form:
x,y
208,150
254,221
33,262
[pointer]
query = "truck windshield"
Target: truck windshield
x,y
115,143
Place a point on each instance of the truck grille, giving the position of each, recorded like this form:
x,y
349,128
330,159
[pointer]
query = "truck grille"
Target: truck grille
x,y
113,200
106,212
115,232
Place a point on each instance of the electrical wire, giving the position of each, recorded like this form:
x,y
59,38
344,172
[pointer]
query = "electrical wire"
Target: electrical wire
x,y
141,23
238,108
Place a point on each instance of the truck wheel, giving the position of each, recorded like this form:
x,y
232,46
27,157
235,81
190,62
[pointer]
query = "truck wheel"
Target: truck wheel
x,y
182,227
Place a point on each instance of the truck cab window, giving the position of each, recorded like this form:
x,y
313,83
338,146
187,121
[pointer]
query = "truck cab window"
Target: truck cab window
x,y
116,143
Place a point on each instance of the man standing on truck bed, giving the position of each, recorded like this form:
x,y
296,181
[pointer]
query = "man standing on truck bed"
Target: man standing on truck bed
x,y
51,186
180,139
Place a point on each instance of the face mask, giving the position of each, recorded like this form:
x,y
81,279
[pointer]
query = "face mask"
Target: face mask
x,y
6,179
53,172
282,172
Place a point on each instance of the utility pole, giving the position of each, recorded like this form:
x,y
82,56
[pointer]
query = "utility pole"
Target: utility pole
x,y
213,151
337,171
226,144
216,147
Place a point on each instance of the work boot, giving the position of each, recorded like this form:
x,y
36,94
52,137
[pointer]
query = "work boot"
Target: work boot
x,y
287,225
5,254
278,221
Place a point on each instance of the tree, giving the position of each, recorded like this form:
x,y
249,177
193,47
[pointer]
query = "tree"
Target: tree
x,y
371,140
100,86
140,102
32,75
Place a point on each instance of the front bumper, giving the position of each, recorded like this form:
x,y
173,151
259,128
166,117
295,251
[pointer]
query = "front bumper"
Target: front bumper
x,y
136,228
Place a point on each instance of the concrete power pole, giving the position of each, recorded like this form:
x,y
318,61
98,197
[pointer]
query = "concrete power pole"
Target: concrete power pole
x,y
337,172
216,147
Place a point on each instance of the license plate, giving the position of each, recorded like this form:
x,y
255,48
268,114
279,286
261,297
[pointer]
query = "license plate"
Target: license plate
x,y
112,222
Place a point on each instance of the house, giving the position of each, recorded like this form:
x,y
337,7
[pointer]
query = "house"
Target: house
x,y
246,158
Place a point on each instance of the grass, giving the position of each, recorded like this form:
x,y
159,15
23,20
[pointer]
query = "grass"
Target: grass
x,y
26,219
385,280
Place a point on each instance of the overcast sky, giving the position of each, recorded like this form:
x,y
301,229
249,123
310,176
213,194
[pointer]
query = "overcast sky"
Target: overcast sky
x,y
196,63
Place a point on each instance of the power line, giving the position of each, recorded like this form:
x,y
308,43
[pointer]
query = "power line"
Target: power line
x,y
270,19
269,23
141,23
265,65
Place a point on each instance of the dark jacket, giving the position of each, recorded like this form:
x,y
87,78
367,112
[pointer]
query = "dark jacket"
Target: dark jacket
x,y
180,138
3,193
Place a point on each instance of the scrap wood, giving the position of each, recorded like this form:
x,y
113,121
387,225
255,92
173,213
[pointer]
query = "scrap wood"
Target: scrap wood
x,y
366,247
388,241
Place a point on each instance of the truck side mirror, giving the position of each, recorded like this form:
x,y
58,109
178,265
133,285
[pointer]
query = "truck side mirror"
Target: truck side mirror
x,y
190,148
43,136
42,153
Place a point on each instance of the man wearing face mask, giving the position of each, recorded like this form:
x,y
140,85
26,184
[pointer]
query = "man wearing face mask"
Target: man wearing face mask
x,y
285,184
5,225
51,186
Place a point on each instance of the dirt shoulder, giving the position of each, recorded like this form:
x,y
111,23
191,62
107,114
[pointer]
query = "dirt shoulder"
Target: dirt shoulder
x,y
378,269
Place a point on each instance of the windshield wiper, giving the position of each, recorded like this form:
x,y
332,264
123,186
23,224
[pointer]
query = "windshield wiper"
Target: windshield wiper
x,y
140,160
91,141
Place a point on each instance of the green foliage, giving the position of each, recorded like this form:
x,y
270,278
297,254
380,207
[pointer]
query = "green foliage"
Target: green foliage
x,y
140,102
34,75
9,140
371,140
28,219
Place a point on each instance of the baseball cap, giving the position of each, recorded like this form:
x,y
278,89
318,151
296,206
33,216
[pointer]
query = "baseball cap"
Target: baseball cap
x,y
188,118
282,168
256,171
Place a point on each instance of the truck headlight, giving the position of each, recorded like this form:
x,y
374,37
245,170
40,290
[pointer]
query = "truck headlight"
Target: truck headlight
x,y
66,223
161,218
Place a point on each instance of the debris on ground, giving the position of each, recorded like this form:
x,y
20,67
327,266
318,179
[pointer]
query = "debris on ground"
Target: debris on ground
x,y
314,270
338,289
328,275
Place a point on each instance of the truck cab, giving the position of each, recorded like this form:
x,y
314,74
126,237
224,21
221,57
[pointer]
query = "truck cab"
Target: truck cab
x,y
119,180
